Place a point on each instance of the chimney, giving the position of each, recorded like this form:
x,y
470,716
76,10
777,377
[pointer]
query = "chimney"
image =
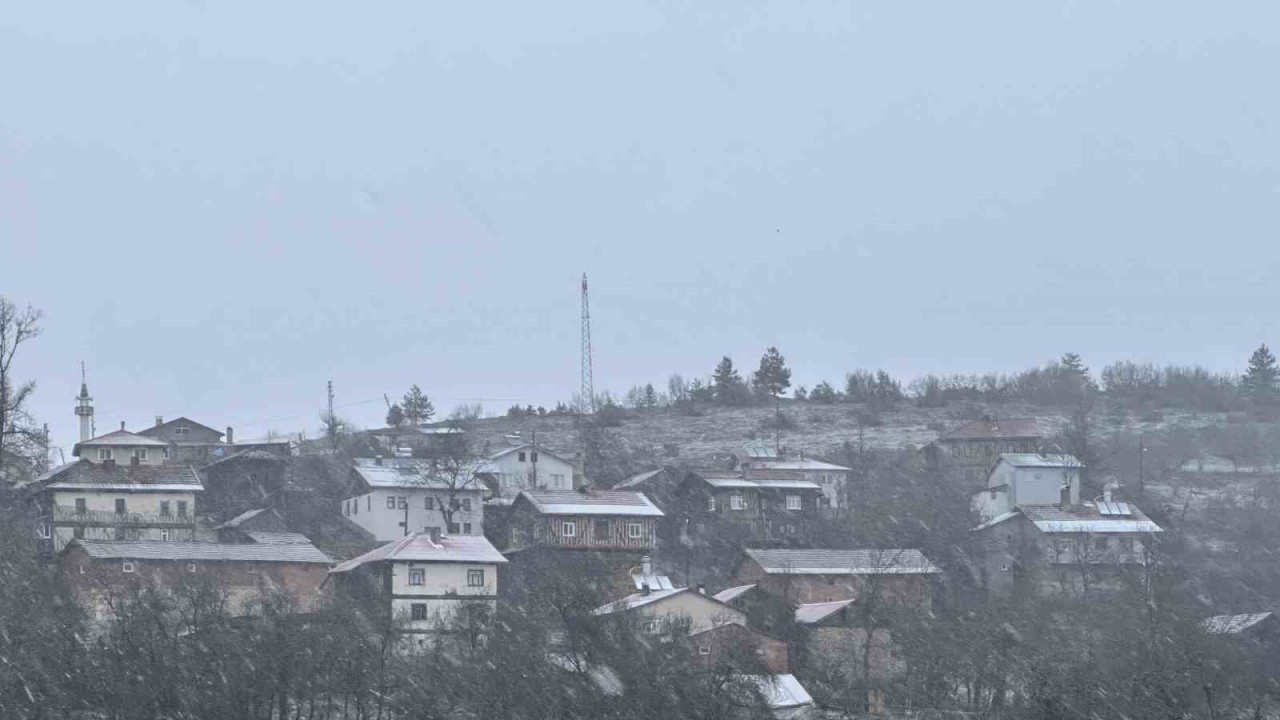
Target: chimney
x,y
435,535
159,420
702,589
121,425
231,435
377,460
646,566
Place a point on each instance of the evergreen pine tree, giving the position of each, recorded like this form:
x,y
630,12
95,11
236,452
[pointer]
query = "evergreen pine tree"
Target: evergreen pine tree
x,y
1259,381
417,407
726,381
774,377
395,416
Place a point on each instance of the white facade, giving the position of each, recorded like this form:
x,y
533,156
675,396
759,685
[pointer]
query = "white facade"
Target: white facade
x,y
383,511
1026,479
526,467
427,595
832,478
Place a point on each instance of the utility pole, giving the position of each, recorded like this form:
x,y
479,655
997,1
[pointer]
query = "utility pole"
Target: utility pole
x,y
331,401
533,457
1142,480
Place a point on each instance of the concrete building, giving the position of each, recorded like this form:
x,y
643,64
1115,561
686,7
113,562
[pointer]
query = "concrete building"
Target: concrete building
x,y
427,582
965,454
525,466
1029,479
101,574
187,441
393,497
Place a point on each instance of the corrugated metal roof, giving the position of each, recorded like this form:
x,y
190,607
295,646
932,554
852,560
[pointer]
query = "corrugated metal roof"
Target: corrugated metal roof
x,y
756,483
815,612
730,594
240,552
1086,519
1035,460
1233,624
995,429
781,691
278,538
418,547
119,438
528,446
96,476
411,475
799,465
594,502
901,561
636,600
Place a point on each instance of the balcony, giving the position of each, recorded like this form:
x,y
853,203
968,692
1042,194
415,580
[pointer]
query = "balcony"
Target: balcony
x,y
63,515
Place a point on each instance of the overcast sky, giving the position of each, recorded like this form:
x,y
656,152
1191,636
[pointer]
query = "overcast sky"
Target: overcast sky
x,y
220,206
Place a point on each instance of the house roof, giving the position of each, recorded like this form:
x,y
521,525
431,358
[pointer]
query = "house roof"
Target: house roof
x,y
278,538
816,612
640,479
241,518
781,691
235,552
637,600
154,429
528,446
1234,624
904,561
119,438
1086,518
994,429
730,594
593,502
400,473
134,478
419,547
799,465
262,455
753,479
1034,460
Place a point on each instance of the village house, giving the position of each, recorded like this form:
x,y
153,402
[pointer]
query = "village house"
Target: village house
x,y
426,581
965,454
774,505
1028,479
245,479
584,519
394,497
102,574
831,478
525,466
118,488
188,442
899,577
1078,546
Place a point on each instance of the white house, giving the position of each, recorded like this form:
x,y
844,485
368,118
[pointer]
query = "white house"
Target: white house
x,y
1018,479
118,488
393,497
832,478
425,580
526,466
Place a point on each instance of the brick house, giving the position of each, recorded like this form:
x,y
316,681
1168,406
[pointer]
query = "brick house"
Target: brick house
x,y
101,574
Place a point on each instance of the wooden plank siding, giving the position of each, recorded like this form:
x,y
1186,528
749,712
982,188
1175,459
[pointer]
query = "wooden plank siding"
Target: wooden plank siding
x,y
587,533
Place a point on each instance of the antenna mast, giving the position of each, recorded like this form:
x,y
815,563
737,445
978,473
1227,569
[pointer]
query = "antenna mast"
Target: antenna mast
x,y
587,401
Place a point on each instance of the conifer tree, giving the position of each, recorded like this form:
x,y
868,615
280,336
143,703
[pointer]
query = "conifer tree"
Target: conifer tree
x,y
774,377
417,407
726,381
1259,381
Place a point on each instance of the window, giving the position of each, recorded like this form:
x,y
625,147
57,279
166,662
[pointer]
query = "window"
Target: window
x,y
418,611
569,528
475,578
104,453
453,528
167,454
355,506
634,530
429,503
180,430
140,453
1126,544
793,502
164,507
704,649
182,508
165,535
191,567
557,480
120,534
466,528
417,576
466,504
391,503
127,566
1004,566
80,505
711,504
537,531
45,531
735,502
77,533
602,530
521,457
533,456
120,506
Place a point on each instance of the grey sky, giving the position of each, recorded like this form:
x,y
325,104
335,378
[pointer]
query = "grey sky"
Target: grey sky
x,y
222,205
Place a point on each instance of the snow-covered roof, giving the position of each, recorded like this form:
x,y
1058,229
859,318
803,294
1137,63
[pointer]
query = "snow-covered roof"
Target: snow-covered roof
x,y
1085,518
731,594
240,552
799,465
122,477
410,475
241,518
636,600
781,691
278,538
531,448
816,612
419,547
639,479
902,561
592,502
1035,460
753,480
119,438
1233,624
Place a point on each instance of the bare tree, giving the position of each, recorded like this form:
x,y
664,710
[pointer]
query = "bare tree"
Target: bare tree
x,y
17,326
454,466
